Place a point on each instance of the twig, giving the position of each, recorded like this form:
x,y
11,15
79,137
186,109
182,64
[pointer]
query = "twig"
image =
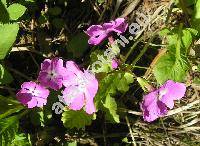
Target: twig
x,y
130,8
130,130
180,109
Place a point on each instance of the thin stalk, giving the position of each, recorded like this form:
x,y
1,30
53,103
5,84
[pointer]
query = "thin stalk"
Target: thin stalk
x,y
178,46
143,50
132,48
130,130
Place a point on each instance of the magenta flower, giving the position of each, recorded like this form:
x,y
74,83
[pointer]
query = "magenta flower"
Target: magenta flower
x,y
98,33
81,87
52,73
32,95
155,103
114,63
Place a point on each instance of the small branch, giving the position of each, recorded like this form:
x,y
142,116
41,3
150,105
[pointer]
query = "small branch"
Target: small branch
x,y
130,130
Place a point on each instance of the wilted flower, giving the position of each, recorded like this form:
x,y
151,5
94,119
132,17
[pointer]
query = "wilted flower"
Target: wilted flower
x,y
52,73
81,87
33,95
98,33
155,103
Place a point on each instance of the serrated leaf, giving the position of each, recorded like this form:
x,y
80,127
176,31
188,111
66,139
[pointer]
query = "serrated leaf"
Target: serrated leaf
x,y
21,140
104,100
196,16
9,106
186,39
164,32
4,16
111,107
4,2
16,11
8,34
8,129
170,68
5,76
123,84
76,119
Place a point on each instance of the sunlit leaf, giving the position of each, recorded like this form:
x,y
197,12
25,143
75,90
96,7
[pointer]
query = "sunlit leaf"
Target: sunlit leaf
x,y
170,68
16,11
8,34
9,106
8,129
76,119
104,100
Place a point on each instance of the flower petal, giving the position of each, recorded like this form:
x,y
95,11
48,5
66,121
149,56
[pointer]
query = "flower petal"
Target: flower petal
x,y
152,108
174,91
94,29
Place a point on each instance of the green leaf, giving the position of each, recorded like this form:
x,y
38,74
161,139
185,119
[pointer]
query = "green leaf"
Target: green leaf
x,y
164,32
9,106
196,17
123,83
78,44
5,76
101,1
76,119
74,143
8,34
186,39
111,109
168,67
16,11
4,16
8,129
4,2
104,100
21,140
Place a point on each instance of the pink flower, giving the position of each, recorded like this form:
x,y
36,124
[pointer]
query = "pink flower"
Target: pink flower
x,y
81,88
52,73
114,64
155,103
32,94
98,33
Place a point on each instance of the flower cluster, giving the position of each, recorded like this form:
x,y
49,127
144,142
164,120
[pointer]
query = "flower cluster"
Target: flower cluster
x,y
155,103
79,87
98,33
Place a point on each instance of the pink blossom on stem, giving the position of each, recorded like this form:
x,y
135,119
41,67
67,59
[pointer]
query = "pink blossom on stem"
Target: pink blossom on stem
x,y
81,88
32,94
114,64
98,33
155,103
52,73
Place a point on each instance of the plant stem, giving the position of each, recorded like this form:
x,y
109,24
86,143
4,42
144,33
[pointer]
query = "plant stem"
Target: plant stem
x,y
132,48
130,130
178,46
143,50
